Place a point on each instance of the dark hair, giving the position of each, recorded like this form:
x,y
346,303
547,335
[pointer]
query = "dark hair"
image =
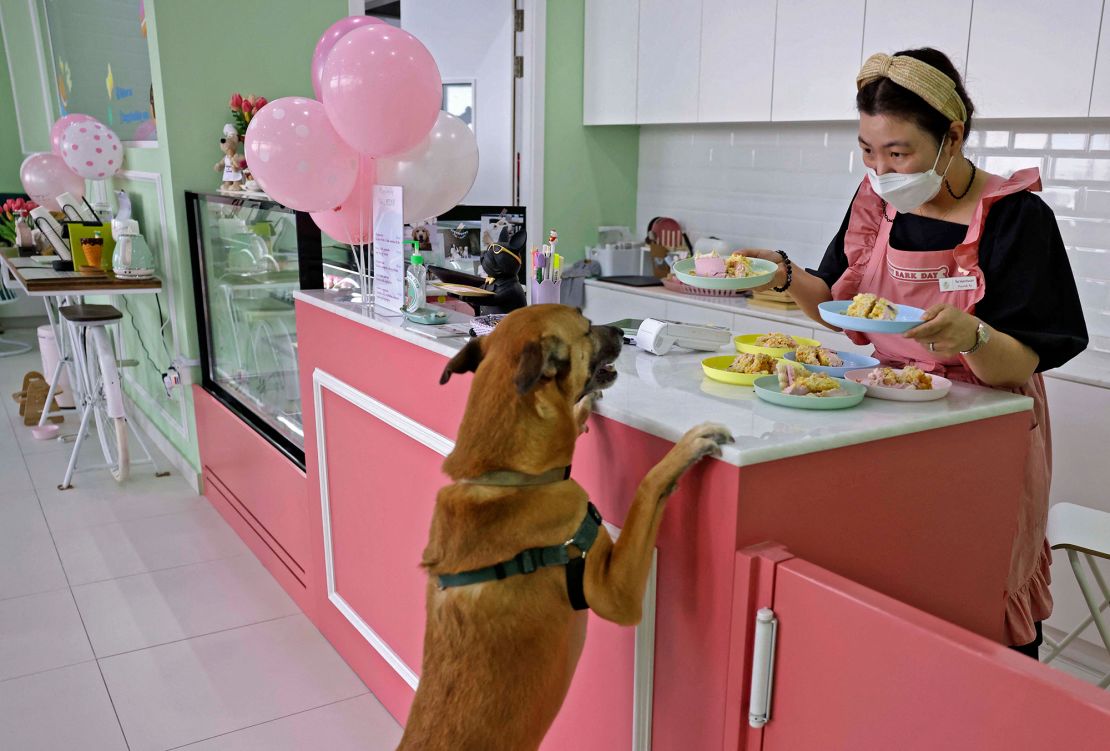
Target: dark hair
x,y
884,97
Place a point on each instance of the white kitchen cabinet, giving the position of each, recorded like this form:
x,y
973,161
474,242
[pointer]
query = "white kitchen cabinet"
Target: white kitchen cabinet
x,y
609,63
895,25
817,57
737,60
685,312
669,55
606,305
1100,96
1030,58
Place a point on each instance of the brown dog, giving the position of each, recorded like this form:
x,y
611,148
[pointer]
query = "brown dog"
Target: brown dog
x,y
499,655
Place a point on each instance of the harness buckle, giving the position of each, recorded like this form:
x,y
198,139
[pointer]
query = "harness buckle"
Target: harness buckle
x,y
572,545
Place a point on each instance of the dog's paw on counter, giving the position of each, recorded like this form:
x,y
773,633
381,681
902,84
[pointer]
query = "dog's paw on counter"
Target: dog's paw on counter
x,y
706,440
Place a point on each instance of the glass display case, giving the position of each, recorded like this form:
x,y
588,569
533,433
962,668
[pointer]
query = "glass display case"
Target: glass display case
x,y
249,257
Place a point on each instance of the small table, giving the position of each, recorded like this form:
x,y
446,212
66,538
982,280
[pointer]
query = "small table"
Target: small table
x,y
58,288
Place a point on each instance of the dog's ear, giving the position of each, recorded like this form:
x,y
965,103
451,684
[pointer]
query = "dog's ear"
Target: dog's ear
x,y
466,360
547,358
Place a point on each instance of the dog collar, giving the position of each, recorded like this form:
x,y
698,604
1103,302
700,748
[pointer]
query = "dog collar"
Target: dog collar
x,y
507,478
533,559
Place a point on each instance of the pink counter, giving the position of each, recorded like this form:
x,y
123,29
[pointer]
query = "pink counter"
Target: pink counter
x,y
875,514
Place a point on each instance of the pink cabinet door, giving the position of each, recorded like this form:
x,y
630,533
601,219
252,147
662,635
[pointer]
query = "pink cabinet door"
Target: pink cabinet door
x,y
854,669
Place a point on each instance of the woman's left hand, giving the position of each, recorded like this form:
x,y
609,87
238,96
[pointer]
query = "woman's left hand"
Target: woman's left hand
x,y
946,330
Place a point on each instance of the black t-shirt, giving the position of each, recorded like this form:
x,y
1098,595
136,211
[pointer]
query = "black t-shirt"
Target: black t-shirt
x,y
1030,291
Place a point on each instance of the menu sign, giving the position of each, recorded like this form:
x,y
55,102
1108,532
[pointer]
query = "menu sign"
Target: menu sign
x,y
389,253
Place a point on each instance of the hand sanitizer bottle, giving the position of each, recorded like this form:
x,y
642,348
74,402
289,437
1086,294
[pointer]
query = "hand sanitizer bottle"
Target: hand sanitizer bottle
x,y
416,283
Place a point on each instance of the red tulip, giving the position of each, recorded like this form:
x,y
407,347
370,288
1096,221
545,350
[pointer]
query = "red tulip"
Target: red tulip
x,y
248,108
236,101
260,103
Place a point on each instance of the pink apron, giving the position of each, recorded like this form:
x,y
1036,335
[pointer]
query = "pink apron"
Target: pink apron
x,y
911,278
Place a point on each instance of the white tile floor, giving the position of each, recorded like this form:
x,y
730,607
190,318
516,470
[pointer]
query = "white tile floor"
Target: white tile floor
x,y
132,618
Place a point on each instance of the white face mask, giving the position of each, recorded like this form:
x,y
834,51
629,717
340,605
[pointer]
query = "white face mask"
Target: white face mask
x,y
906,191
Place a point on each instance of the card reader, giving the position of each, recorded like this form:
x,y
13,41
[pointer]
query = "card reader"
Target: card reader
x,y
658,336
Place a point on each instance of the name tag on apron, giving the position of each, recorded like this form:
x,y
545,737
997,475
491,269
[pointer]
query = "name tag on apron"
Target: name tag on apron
x,y
957,283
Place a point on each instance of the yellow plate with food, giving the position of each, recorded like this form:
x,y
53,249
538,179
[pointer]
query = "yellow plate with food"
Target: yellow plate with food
x,y
773,344
742,369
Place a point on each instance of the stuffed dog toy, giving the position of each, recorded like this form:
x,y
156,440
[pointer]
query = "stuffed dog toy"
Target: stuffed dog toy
x,y
516,552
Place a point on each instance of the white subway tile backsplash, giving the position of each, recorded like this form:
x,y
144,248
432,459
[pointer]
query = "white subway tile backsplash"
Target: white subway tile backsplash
x,y
788,186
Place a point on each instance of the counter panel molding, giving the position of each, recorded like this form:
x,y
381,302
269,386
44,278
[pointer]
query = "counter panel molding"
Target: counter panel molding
x,y
381,538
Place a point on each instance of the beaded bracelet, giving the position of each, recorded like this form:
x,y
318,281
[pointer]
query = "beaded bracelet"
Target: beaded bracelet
x,y
789,273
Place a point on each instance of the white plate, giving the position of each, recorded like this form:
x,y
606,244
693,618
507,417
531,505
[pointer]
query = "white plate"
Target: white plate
x,y
940,389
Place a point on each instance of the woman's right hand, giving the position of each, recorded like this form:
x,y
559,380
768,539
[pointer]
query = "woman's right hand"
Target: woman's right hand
x,y
767,255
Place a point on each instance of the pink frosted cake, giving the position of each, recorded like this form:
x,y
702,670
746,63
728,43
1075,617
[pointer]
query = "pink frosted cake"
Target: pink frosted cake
x,y
709,264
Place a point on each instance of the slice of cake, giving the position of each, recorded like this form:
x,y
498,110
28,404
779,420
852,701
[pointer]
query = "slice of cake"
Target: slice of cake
x,y
818,356
776,341
753,363
867,305
909,378
803,383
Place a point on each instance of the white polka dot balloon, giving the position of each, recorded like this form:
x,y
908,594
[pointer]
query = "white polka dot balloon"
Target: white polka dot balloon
x,y
92,150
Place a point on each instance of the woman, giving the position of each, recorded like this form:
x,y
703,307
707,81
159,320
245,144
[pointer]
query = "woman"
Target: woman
x,y
979,253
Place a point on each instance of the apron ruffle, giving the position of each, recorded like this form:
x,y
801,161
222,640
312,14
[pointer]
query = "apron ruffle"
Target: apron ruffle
x,y
1030,602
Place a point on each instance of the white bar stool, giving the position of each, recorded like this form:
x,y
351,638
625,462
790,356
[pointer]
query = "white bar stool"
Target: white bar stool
x,y
1085,532
101,397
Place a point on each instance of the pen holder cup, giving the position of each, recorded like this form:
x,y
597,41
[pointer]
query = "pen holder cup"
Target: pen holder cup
x,y
543,292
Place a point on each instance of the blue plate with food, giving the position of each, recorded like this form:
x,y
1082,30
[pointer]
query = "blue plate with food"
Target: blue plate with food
x,y
868,312
829,362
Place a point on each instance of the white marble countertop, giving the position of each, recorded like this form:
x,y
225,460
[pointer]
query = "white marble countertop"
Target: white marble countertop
x,y
665,396
1091,367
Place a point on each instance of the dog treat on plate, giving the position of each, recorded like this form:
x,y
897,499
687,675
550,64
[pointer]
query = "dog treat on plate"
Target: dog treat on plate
x,y
806,384
909,378
818,356
867,305
776,341
753,363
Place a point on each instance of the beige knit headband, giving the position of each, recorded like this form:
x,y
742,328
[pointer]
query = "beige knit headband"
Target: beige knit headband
x,y
921,78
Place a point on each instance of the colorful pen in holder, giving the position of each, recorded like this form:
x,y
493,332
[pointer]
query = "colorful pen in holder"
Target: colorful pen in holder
x,y
545,276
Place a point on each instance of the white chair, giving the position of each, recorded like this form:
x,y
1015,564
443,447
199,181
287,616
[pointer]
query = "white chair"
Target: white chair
x,y
9,347
1083,532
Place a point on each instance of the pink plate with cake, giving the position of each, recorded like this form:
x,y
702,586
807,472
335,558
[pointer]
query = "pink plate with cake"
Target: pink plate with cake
x,y
907,384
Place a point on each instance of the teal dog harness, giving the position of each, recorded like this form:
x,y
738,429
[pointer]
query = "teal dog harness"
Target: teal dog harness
x,y
533,559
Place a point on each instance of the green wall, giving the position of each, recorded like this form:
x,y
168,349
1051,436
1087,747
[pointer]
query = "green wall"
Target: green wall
x,y
11,152
195,66
589,173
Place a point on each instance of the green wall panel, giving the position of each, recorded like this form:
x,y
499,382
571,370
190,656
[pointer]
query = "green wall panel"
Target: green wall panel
x,y
589,173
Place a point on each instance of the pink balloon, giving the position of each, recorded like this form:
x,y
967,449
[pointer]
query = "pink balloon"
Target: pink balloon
x,y
381,89
91,150
297,157
327,41
59,128
45,177
352,222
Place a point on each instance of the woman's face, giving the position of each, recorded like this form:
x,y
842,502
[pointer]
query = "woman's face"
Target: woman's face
x,y
892,144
